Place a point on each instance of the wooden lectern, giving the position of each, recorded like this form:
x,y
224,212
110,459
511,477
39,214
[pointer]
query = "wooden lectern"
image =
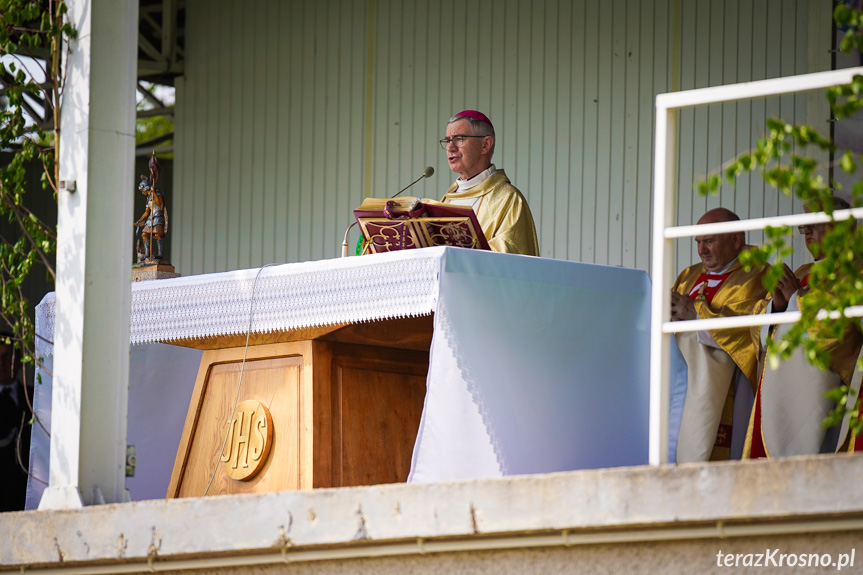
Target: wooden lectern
x,y
317,407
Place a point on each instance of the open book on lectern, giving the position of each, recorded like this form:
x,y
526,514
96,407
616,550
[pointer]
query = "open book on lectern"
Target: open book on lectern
x,y
390,224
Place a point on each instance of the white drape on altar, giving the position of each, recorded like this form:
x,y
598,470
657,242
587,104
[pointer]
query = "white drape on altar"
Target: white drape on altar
x,y
536,366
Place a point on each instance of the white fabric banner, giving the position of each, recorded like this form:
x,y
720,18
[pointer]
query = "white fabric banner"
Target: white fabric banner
x,y
537,366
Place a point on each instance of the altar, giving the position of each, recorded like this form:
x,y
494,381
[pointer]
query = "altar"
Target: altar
x,y
534,365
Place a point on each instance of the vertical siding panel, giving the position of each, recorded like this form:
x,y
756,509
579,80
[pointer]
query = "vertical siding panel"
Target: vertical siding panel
x,y
728,149
656,31
577,143
283,134
591,82
237,118
448,102
294,135
546,78
246,190
605,94
362,17
403,103
346,92
495,77
687,122
392,114
187,201
506,127
497,87
482,13
317,80
701,161
814,23
183,213
743,109
617,143
420,146
181,234
436,115
380,81
269,250
200,155
759,108
522,161
801,66
532,169
222,190
712,137
786,67
210,203
467,48
308,125
259,121
252,176
562,147
328,128
776,10
628,216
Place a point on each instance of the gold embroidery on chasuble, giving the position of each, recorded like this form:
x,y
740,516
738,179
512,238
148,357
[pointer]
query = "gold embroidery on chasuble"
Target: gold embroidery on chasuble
x,y
503,214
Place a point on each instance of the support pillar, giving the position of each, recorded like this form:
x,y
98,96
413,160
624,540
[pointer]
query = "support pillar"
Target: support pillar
x,y
94,256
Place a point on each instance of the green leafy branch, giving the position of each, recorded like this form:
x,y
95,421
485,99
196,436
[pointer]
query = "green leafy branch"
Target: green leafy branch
x,y
33,35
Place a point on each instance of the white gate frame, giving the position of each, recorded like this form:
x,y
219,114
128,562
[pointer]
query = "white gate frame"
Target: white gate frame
x,y
664,202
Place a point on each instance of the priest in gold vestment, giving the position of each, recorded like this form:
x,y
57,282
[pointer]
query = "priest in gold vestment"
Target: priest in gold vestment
x,y
501,209
790,403
722,365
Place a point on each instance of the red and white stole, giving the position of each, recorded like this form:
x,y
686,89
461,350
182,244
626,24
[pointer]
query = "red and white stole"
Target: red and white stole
x,y
707,285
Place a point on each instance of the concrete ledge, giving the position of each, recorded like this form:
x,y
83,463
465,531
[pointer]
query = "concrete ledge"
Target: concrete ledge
x,y
823,493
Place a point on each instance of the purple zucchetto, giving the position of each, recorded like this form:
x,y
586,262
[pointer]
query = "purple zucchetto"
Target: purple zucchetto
x,y
476,116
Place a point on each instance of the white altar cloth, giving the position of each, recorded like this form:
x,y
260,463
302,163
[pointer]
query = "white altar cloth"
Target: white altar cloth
x,y
536,365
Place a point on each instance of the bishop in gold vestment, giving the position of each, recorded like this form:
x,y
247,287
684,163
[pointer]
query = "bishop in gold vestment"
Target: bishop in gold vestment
x,y
501,209
721,364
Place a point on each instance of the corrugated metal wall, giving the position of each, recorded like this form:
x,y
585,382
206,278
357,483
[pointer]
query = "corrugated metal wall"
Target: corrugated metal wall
x,y
291,112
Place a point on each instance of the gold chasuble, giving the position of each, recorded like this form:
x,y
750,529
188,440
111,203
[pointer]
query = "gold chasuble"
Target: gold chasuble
x,y
706,422
790,403
503,214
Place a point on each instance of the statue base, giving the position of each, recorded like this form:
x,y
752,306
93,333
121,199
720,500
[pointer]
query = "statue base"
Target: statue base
x,y
154,271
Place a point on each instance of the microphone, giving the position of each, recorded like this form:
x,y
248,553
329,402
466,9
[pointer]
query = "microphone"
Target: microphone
x,y
427,173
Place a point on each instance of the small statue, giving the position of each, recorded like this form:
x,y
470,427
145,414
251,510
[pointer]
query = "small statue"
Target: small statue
x,y
153,224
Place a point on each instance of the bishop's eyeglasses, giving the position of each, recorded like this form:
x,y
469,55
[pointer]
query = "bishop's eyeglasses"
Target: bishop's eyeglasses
x,y
458,140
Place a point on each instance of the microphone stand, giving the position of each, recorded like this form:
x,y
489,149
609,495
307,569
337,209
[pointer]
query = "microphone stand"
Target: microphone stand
x,y
345,241
409,185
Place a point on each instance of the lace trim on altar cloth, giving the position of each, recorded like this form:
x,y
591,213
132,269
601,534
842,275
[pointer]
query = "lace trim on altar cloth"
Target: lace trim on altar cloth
x,y
288,296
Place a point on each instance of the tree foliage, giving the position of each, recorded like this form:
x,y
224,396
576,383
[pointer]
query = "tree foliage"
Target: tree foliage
x,y
153,130
33,34
784,157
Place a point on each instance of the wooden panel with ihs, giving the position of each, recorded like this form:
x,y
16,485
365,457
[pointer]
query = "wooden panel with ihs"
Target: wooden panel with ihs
x,y
308,414
219,441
